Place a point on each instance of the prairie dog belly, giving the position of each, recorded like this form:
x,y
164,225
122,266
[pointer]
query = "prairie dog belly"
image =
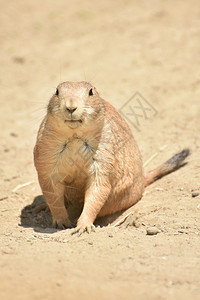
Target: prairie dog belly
x,y
73,167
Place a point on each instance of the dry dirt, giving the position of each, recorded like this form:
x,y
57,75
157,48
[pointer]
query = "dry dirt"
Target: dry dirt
x,y
122,47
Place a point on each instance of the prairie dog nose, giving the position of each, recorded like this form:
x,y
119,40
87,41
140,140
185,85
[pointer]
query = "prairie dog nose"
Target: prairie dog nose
x,y
71,109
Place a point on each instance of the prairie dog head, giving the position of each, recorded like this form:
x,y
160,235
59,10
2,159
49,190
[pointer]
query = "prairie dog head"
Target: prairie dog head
x,y
75,103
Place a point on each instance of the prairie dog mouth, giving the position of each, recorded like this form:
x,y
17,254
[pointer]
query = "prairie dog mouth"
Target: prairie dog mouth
x,y
73,121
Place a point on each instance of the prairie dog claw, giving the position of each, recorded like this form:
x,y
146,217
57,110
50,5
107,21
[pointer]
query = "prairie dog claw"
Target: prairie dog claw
x,y
81,229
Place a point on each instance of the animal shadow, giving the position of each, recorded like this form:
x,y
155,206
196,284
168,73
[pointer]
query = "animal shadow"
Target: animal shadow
x,y
37,215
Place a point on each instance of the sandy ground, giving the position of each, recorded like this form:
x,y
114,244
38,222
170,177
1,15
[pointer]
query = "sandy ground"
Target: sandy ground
x,y
122,47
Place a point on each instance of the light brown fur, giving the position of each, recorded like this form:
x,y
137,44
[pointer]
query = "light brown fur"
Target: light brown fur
x,y
87,160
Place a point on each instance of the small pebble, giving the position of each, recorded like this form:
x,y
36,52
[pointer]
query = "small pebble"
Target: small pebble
x,y
152,230
13,134
19,59
195,194
90,243
58,283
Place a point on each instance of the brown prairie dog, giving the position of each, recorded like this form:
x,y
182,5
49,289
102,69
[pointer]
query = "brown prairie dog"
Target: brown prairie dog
x,y
87,160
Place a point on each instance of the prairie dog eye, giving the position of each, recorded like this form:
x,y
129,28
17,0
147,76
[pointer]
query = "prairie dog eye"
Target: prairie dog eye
x,y
91,92
56,93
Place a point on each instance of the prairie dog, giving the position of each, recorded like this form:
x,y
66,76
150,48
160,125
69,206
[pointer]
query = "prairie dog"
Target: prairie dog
x,y
87,160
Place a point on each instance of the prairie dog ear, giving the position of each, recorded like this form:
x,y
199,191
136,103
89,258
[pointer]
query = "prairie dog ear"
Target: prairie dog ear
x,y
95,91
92,92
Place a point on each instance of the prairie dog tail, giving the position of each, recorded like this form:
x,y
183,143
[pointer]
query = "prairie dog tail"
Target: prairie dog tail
x,y
169,166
